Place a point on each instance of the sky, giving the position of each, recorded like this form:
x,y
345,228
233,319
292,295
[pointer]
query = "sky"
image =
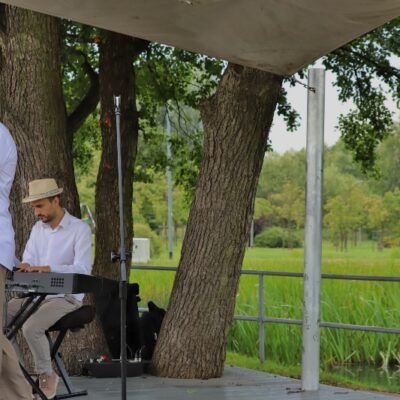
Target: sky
x,y
282,140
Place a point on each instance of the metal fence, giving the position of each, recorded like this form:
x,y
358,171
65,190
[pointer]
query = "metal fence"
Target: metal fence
x,y
261,319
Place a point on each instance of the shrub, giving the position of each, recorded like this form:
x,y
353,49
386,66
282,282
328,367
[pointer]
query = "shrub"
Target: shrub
x,y
276,237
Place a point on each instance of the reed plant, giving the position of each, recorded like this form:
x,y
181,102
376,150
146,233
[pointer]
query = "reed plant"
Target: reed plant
x,y
354,302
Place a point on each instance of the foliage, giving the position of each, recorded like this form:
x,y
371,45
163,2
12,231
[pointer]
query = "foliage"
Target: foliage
x,y
87,142
79,65
174,82
79,52
289,205
186,146
345,213
356,205
358,67
150,204
388,164
276,237
341,178
86,183
279,170
391,203
166,74
362,134
263,208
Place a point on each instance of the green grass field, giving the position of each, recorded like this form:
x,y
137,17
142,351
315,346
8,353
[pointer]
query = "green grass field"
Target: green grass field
x,y
355,302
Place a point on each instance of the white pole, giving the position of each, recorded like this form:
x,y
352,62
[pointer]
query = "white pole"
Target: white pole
x,y
251,239
169,180
313,230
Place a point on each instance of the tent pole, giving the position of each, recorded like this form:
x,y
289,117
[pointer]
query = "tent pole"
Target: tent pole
x,y
313,230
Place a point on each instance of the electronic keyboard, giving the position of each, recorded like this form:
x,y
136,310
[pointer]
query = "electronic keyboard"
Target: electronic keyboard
x,y
54,283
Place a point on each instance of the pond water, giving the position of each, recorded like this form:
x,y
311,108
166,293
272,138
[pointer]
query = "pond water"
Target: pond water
x,y
389,378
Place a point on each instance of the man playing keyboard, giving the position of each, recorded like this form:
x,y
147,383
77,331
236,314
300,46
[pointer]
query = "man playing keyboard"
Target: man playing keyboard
x,y
59,243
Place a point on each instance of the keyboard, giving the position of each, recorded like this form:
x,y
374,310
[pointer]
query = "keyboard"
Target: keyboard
x,y
54,283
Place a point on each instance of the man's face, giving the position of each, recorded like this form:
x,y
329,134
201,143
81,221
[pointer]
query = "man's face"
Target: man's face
x,y
45,209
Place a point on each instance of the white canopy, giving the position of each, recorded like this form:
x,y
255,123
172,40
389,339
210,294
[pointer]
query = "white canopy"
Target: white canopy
x,y
279,36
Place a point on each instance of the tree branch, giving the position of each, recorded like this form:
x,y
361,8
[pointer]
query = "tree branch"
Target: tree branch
x,y
387,71
88,104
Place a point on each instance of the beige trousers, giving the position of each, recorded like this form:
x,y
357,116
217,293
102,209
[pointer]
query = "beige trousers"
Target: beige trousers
x,y
48,313
12,381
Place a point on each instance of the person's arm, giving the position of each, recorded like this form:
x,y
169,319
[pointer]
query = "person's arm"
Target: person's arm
x,y
82,254
29,257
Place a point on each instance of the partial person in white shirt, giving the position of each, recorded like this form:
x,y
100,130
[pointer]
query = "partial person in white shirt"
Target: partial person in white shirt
x,y
59,243
12,382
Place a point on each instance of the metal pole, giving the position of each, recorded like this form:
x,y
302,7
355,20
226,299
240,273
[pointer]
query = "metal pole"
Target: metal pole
x,y
122,254
251,240
261,332
169,180
313,230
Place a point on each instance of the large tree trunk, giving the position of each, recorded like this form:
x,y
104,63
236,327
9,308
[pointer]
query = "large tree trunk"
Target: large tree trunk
x,y
32,107
236,122
117,77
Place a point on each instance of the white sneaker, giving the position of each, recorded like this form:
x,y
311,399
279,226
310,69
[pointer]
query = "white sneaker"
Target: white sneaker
x,y
48,384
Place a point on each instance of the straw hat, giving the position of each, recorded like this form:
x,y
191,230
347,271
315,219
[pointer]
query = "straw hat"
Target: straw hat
x,y
41,189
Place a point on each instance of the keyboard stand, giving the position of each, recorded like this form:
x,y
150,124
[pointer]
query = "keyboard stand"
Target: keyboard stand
x,y
31,304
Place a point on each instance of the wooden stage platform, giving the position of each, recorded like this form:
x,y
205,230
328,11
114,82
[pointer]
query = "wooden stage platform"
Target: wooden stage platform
x,y
236,384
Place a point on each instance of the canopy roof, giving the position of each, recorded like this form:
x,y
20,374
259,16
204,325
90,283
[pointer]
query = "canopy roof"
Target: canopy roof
x,y
279,36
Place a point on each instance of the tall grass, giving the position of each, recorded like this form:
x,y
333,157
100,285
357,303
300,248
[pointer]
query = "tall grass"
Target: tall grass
x,y
355,302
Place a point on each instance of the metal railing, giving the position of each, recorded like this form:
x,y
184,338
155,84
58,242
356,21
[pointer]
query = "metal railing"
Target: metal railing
x,y
261,319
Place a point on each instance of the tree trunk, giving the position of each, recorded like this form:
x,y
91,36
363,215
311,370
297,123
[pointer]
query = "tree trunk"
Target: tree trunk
x,y
117,77
236,122
32,107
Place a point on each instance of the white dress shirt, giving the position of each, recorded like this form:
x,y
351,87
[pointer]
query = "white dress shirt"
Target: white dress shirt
x,y
8,164
66,249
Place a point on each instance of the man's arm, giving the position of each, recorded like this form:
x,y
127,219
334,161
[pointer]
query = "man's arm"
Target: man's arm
x,y
29,257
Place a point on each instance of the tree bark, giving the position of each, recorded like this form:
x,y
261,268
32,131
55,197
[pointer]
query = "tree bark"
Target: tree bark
x,y
117,77
236,120
32,107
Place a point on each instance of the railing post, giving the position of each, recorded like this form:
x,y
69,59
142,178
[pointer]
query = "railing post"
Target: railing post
x,y
261,331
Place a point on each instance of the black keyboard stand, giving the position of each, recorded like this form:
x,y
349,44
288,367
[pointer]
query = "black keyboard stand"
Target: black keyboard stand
x,y
30,305
35,288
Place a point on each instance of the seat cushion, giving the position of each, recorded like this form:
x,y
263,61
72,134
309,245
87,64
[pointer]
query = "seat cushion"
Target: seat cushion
x,y
74,319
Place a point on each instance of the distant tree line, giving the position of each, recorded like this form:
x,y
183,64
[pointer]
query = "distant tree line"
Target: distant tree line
x,y
356,204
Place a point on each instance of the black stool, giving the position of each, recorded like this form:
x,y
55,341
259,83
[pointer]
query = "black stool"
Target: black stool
x,y
73,321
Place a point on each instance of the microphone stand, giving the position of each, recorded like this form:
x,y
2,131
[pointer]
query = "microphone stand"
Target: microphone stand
x,y
122,255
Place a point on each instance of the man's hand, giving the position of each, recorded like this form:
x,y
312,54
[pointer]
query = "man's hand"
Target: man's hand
x,y
25,267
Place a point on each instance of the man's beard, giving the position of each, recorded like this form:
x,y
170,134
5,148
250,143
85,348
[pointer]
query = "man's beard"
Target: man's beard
x,y
47,219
